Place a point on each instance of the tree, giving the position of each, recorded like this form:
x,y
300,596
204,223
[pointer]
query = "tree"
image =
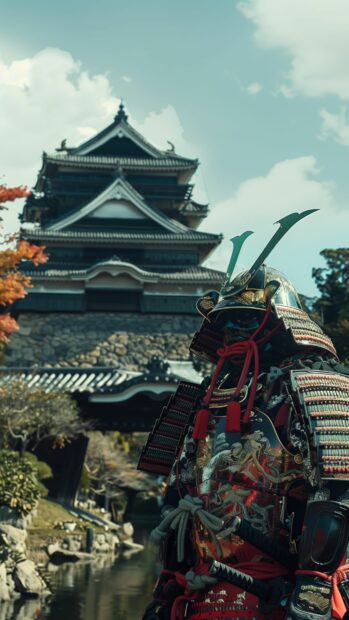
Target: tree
x,y
111,468
13,283
30,415
333,305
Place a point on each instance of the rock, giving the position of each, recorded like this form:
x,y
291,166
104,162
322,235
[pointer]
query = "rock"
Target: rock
x,y
102,547
4,589
123,338
25,331
74,544
112,539
113,338
10,516
27,580
119,349
102,331
14,534
114,542
100,539
127,530
52,548
58,555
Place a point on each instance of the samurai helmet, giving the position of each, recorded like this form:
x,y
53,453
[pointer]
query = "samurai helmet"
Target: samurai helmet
x,y
256,288
267,286
249,294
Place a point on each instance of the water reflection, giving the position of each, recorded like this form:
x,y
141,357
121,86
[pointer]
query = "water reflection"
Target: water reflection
x,y
101,590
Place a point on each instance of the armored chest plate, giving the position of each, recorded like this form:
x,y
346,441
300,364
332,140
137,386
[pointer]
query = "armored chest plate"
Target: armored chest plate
x,y
324,401
245,476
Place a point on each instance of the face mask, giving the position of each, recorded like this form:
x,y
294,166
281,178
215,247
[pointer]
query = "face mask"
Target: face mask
x,y
246,326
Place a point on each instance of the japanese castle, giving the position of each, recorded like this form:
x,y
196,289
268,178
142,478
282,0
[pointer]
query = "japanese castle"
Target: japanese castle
x,y
111,315
120,226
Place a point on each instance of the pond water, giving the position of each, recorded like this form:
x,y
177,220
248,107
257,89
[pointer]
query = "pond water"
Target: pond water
x,y
105,589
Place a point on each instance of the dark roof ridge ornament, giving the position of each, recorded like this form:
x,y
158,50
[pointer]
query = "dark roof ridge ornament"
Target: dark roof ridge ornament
x,y
63,148
172,148
156,366
121,115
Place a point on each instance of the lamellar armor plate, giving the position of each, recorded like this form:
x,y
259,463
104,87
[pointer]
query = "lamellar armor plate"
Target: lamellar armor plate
x,y
324,401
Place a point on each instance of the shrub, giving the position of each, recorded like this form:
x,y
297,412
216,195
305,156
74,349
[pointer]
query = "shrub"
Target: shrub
x,y
19,487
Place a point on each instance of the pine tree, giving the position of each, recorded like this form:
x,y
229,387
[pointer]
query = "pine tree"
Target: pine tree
x,y
333,305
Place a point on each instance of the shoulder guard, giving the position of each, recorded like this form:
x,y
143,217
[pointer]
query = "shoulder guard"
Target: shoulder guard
x,y
323,397
166,438
206,341
304,331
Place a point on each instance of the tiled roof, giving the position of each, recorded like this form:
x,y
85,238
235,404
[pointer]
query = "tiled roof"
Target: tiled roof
x,y
95,161
118,189
104,380
121,128
122,238
75,380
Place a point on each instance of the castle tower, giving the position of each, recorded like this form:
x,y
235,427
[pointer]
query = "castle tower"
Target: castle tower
x,y
119,223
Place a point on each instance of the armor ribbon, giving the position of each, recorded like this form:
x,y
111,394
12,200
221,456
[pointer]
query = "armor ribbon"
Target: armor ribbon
x,y
177,519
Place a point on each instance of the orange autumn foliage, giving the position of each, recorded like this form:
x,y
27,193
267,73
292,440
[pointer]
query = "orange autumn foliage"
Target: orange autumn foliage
x,y
8,194
13,283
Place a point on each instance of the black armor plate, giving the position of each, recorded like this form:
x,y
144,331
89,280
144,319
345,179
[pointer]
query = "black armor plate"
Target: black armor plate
x,y
166,438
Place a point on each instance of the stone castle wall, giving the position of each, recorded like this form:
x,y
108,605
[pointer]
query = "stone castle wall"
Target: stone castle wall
x,y
99,339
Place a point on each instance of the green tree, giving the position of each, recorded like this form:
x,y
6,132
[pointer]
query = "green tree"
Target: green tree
x,y
19,488
333,304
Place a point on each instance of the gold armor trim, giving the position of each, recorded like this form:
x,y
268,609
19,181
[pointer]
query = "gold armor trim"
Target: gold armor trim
x,y
314,599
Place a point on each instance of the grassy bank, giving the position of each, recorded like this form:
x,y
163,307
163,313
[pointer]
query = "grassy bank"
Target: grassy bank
x,y
46,527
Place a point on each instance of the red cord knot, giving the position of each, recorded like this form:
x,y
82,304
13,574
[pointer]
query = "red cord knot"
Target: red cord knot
x,y
248,350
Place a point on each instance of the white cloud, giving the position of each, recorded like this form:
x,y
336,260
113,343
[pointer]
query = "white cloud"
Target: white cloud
x,y
44,99
335,126
165,130
314,34
87,132
49,97
290,185
254,88
126,78
162,127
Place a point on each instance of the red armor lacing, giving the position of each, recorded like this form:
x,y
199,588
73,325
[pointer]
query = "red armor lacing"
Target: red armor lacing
x,y
249,350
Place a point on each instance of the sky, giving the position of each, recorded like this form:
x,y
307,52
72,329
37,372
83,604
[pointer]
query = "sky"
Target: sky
x,y
258,90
